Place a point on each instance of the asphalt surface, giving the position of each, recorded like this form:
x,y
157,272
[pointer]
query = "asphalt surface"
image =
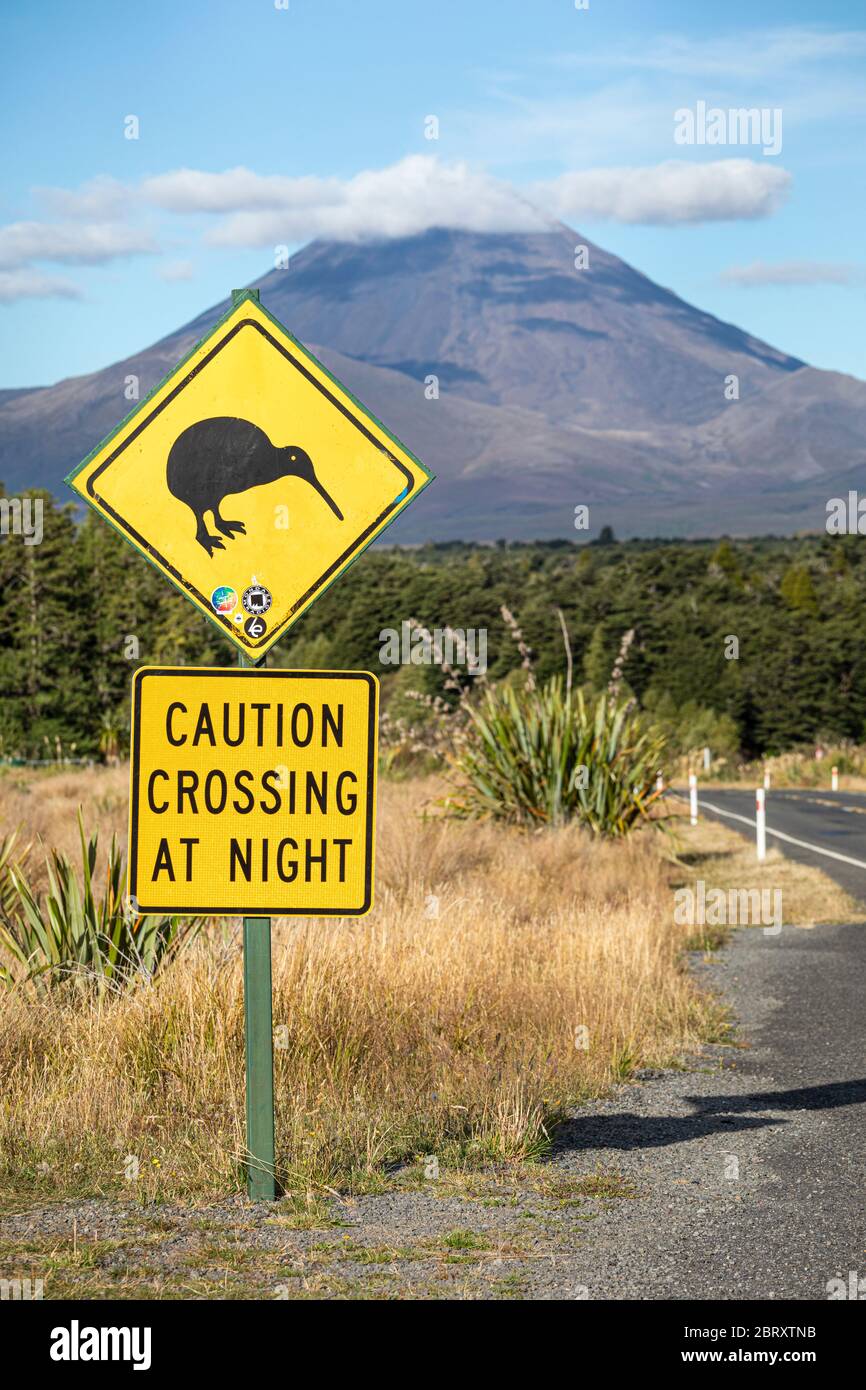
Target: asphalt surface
x,y
750,1177
834,821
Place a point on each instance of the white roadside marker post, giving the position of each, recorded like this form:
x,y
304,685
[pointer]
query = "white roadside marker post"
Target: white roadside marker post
x,y
834,779
761,823
693,797
660,783
767,780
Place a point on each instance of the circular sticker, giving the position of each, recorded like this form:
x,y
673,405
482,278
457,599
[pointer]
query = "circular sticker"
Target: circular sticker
x,y
255,627
224,599
257,599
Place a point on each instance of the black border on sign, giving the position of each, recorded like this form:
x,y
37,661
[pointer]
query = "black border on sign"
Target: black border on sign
x,y
249,674
333,570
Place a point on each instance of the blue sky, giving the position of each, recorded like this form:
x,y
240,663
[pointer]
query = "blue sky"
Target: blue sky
x,y
261,126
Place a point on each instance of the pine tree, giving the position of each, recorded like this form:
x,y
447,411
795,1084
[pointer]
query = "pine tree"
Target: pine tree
x,y
798,591
46,681
597,660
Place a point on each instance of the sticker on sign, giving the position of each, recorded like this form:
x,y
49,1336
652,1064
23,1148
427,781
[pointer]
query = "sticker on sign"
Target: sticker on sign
x,y
252,791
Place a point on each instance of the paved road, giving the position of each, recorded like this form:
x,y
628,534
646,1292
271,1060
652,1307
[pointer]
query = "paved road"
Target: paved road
x,y
750,1168
750,1177
834,821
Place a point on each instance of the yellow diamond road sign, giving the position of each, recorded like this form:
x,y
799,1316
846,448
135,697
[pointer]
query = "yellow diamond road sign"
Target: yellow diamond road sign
x,y
250,477
252,792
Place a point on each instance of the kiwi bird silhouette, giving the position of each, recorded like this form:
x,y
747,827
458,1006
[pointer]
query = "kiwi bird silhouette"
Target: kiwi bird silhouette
x,y
214,458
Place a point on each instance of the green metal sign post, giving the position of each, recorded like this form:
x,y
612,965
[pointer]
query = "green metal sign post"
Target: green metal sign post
x,y
259,1040
258,1027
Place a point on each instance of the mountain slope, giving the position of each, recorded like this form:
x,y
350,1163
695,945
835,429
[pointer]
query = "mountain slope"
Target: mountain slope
x,y
557,386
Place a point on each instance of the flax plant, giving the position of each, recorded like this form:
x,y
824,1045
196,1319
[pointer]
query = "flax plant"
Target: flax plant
x,y
74,931
542,756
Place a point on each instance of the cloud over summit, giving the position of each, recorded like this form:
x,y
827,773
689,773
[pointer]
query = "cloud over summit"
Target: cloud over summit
x,y
402,199
421,191
102,221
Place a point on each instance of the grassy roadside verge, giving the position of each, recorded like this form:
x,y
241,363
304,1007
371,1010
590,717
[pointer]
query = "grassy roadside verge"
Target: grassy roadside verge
x,y
501,980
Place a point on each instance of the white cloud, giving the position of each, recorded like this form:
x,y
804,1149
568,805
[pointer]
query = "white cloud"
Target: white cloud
x,y
421,192
175,271
101,199
560,129
758,52
612,101
674,192
32,284
792,273
404,198
234,190
71,243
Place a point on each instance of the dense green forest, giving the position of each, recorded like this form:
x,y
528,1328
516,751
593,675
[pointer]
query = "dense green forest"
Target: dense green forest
x,y
81,610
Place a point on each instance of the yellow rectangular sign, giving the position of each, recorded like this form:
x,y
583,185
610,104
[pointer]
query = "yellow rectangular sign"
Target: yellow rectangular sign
x,y
252,792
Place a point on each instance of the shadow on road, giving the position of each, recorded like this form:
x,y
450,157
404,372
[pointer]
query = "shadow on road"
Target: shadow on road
x,y
712,1115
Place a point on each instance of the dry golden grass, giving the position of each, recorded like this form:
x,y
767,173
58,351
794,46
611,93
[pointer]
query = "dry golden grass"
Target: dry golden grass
x,y
725,858
819,784
445,1022
796,770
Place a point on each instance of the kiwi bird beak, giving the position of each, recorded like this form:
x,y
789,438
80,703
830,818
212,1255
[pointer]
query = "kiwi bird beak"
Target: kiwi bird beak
x,y
327,497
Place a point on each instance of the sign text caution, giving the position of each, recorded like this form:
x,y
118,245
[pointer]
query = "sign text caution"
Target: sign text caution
x,y
252,791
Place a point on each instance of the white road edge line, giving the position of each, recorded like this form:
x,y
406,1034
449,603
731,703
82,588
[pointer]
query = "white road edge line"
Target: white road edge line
x,y
780,835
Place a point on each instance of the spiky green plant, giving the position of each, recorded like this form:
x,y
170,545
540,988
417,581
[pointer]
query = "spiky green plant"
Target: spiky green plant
x,y
71,931
7,888
546,757
8,858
